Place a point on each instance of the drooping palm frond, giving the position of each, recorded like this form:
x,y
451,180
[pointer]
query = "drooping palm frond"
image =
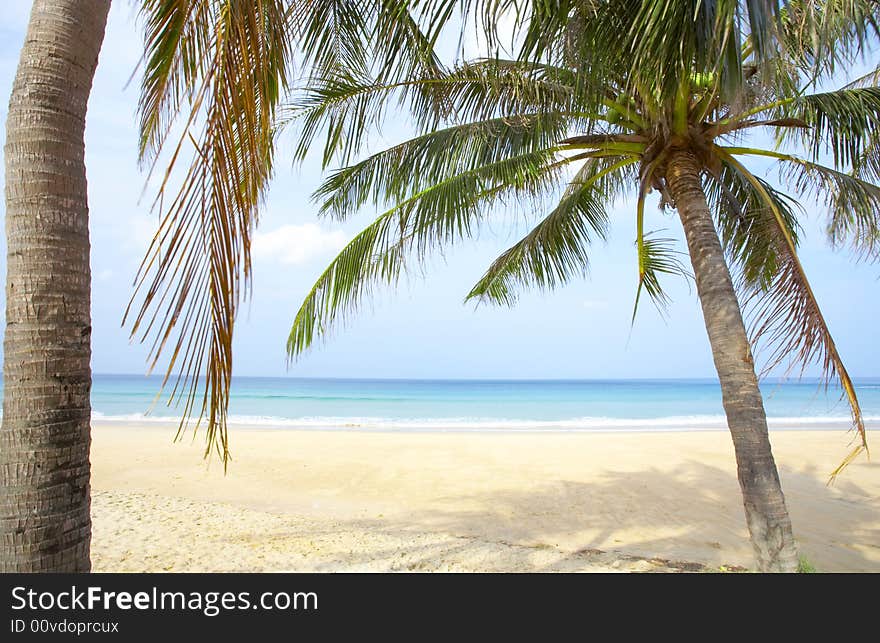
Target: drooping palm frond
x,y
434,217
198,266
841,123
785,314
335,34
746,225
396,38
177,54
867,167
220,67
557,248
656,256
406,34
853,204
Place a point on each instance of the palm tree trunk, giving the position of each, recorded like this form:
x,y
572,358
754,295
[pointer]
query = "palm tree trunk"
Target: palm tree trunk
x,y
766,514
44,439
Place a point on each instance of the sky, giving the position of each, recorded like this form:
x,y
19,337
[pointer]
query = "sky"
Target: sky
x,y
422,329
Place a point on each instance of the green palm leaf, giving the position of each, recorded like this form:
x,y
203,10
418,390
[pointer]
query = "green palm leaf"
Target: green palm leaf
x,y
657,256
841,123
401,171
852,203
557,248
436,216
345,106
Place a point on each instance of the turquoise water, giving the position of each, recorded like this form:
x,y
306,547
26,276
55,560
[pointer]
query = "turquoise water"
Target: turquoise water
x,y
511,405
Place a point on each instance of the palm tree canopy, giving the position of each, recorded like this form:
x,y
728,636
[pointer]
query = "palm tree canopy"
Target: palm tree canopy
x,y
216,74
577,122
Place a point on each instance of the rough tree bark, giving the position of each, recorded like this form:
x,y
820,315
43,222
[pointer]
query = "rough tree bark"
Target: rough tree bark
x,y
766,514
44,439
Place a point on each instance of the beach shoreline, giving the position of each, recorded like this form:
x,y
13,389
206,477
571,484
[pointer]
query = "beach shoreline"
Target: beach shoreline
x,y
347,500
613,425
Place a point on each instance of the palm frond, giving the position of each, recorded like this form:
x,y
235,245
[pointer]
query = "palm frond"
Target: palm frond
x,y
746,224
497,86
177,54
822,37
344,107
657,256
841,123
871,79
336,34
401,171
867,167
786,316
397,36
198,266
434,217
557,248
407,41
853,204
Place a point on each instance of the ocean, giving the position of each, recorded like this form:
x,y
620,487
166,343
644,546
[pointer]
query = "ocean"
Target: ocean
x,y
487,405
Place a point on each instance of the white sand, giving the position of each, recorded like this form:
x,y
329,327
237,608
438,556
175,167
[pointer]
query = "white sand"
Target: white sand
x,y
324,500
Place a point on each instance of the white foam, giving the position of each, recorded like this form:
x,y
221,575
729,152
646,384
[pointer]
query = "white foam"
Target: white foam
x,y
690,422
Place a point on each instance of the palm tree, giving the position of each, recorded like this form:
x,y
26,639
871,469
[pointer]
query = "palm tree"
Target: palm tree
x,y
217,69
572,118
220,64
44,441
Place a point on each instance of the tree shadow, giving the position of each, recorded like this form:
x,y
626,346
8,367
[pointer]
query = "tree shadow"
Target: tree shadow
x,y
637,521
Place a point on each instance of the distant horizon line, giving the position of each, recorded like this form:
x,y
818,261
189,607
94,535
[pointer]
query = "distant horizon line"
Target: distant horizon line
x,y
775,378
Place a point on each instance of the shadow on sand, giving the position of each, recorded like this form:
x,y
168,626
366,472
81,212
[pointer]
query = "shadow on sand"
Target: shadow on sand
x,y
664,515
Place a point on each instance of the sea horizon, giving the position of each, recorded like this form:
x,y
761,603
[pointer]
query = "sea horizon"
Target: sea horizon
x,y
486,404
871,379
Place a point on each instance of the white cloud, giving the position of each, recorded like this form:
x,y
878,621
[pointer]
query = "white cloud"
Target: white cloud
x,y
292,244
595,304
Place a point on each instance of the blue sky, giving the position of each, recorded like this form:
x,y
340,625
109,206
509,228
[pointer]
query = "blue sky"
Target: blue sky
x,y
422,329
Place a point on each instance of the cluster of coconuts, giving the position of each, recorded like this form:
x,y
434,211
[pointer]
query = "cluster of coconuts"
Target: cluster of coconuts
x,y
703,80
699,81
614,116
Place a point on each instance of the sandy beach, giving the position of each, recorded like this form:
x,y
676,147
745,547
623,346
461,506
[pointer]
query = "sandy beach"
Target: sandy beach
x,y
349,501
